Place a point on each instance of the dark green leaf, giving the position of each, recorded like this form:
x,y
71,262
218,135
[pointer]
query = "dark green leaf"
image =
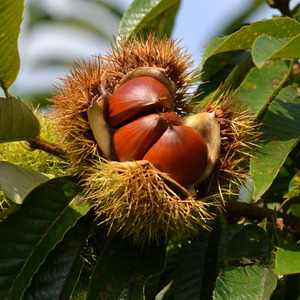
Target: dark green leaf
x,y
294,187
261,85
17,182
281,128
142,12
288,260
122,269
249,245
27,236
58,275
11,15
17,122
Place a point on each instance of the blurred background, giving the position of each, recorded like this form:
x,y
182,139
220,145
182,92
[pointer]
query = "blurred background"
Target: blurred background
x,y
56,32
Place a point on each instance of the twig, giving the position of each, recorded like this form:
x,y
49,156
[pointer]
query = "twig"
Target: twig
x,y
254,212
47,147
4,88
282,5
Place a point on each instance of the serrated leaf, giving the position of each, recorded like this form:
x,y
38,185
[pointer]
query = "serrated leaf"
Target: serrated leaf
x,y
11,16
245,37
265,48
57,277
27,236
288,260
142,12
261,85
17,182
250,282
281,128
17,121
122,269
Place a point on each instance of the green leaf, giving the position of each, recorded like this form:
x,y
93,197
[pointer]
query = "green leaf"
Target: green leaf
x,y
58,275
294,187
27,236
288,260
250,282
245,37
261,85
17,121
265,48
11,15
249,263
249,245
17,182
148,13
122,269
281,128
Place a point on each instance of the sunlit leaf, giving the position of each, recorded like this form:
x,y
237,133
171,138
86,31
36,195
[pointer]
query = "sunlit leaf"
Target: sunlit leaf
x,y
142,13
288,260
27,236
266,47
16,182
17,122
11,15
281,128
261,85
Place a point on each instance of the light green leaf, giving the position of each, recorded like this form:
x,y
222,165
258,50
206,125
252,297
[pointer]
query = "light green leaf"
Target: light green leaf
x,y
122,270
261,85
265,48
245,37
17,122
281,128
249,282
11,15
17,182
58,275
27,236
142,13
288,260
294,187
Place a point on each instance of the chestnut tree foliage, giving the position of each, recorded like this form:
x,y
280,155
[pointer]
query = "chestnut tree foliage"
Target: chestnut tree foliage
x,y
50,245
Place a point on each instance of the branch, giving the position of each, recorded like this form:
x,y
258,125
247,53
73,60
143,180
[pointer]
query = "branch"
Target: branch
x,y
45,146
282,5
254,212
2,85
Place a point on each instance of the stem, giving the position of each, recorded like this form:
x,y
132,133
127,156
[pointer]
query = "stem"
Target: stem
x,y
4,89
47,147
254,212
282,5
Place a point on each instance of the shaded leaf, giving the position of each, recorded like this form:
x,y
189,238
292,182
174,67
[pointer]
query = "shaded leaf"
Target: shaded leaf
x,y
27,236
261,85
248,245
281,128
288,260
57,277
122,269
17,121
266,47
142,12
11,15
17,182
